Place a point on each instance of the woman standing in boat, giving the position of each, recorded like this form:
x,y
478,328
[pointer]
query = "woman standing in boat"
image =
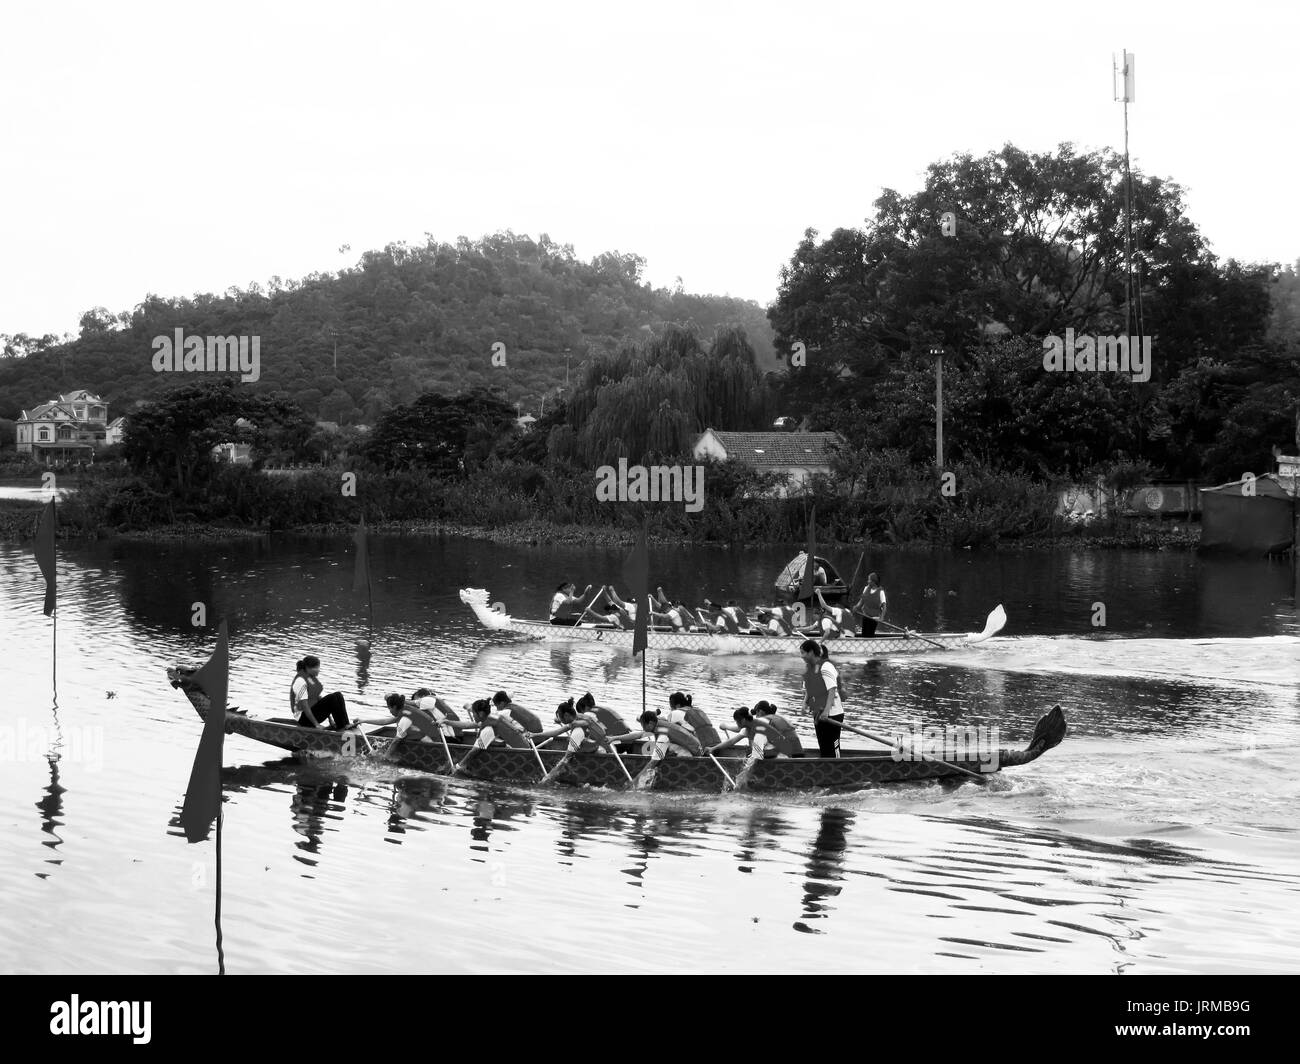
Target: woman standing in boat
x,y
821,685
566,608
870,606
305,700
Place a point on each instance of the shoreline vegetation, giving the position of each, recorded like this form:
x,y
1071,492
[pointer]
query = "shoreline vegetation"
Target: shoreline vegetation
x,y
82,518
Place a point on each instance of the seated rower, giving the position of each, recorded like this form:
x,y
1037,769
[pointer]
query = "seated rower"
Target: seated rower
x,y
496,728
769,734
778,619
626,611
584,728
682,710
423,716
662,737
306,701
522,715
836,622
566,607
610,721
734,618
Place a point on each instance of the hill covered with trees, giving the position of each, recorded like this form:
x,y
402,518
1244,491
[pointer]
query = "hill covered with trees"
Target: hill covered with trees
x,y
404,321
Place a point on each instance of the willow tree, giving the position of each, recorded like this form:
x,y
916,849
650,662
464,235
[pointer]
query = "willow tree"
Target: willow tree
x,y
648,402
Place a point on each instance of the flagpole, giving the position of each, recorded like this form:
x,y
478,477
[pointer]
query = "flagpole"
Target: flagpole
x,y
221,952
54,645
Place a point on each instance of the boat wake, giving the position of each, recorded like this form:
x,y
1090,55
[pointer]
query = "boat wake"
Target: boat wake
x,y
1267,660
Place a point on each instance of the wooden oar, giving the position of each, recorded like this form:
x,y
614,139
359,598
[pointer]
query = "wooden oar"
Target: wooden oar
x,y
886,742
911,634
589,605
725,774
619,758
648,773
540,763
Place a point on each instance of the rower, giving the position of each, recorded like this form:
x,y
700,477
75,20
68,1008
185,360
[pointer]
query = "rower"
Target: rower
x,y
566,608
609,720
682,710
768,732
522,715
663,735
835,621
496,728
423,716
627,610
306,701
780,619
585,730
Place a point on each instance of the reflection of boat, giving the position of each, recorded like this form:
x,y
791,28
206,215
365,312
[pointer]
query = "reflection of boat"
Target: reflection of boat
x,y
494,616
855,770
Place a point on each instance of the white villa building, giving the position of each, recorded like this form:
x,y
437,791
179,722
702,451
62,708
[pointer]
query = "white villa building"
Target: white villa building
x,y
69,428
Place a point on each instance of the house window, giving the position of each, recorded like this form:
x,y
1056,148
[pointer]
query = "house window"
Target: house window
x,y
44,435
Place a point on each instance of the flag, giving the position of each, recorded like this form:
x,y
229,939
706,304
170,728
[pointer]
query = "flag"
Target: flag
x,y
806,588
45,552
361,575
203,795
636,570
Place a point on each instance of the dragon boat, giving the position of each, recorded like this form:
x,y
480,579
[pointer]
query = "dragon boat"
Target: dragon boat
x,y
495,616
854,770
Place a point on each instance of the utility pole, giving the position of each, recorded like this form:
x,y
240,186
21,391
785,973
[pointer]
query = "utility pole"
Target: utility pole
x,y
937,352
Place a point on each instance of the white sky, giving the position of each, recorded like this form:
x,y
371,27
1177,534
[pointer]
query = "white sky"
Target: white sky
x,y
178,147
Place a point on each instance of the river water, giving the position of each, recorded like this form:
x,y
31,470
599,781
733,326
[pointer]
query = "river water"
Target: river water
x,y
1160,837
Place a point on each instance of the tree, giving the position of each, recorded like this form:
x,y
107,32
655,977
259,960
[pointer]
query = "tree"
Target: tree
x,y
444,435
169,441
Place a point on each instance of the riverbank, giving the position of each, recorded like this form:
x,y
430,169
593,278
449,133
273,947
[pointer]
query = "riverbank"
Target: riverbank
x,y
18,523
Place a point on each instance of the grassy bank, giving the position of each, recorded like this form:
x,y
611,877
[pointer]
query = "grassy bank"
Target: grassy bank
x,y
526,504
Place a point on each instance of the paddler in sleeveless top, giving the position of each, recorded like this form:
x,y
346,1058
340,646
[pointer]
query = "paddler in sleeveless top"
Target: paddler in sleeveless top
x,y
566,607
769,733
833,621
870,607
496,728
609,720
421,717
584,729
662,737
683,711
522,715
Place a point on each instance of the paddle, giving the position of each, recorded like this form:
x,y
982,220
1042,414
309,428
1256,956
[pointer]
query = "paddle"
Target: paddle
x,y
646,777
912,635
619,758
886,742
589,605
725,774
540,763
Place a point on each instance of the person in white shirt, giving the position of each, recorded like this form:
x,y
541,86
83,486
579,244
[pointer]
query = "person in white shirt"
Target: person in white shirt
x,y
566,607
822,696
306,702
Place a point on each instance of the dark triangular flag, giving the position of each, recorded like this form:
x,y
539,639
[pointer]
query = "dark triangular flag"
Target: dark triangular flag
x,y
636,570
806,588
361,575
203,795
45,552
